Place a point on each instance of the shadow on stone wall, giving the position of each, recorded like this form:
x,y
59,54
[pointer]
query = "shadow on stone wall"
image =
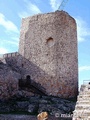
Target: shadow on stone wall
x,y
25,67
53,85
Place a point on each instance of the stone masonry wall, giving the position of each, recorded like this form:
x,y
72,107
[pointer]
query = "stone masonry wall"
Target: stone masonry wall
x,y
11,70
49,42
8,81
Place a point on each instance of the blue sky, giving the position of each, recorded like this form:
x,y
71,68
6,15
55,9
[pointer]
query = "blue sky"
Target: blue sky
x,y
12,11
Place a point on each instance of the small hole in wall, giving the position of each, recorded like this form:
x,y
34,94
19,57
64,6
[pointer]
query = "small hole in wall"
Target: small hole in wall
x,y
22,65
28,77
50,42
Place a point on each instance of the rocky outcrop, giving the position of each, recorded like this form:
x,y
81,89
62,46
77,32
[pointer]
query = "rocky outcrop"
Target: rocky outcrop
x,y
36,104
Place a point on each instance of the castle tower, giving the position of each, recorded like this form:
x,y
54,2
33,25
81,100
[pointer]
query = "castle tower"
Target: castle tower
x,y
49,42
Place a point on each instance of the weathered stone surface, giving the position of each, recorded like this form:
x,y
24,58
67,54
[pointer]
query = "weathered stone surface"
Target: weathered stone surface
x,y
47,52
32,108
22,105
49,42
17,117
8,81
28,117
51,109
33,105
34,99
10,73
5,108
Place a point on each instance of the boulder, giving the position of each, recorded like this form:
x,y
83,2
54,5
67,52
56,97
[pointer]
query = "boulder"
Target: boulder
x,y
22,105
33,108
50,108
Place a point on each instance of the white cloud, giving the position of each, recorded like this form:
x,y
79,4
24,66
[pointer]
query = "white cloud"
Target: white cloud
x,y
3,50
84,68
13,41
55,4
31,9
82,29
8,25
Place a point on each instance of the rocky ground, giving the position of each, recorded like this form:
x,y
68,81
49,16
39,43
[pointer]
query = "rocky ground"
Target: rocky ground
x,y
28,117
25,107
16,104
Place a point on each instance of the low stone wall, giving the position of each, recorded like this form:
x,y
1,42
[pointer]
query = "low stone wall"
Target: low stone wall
x,y
10,54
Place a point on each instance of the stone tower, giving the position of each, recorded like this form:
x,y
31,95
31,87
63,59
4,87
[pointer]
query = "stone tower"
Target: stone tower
x,y
49,42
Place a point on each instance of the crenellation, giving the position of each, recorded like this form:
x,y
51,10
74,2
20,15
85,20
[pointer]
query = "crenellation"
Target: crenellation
x,y
7,55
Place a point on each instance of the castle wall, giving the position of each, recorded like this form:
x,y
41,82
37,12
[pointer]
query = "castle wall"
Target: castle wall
x,y
7,55
8,81
49,42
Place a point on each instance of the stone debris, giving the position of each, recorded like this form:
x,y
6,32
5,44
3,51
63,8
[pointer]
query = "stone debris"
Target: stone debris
x,y
36,104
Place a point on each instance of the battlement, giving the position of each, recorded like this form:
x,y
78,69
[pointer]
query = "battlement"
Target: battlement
x,y
7,55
